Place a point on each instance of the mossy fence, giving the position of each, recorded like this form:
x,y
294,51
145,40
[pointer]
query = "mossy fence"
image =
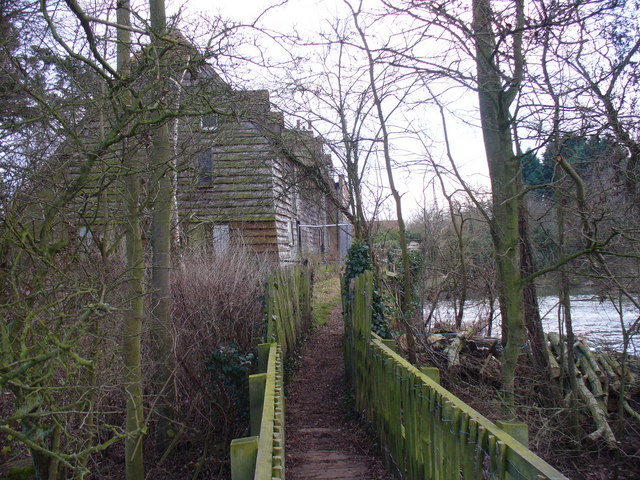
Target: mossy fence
x,y
288,314
424,430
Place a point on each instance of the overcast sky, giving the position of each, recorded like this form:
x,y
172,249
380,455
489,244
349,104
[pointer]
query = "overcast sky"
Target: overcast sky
x,y
308,16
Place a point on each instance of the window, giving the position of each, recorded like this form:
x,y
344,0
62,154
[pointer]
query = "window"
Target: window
x,y
205,176
220,238
209,122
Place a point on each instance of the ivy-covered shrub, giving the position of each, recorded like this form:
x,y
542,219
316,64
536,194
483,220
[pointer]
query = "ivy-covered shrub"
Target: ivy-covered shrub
x,y
229,370
416,263
359,261
379,322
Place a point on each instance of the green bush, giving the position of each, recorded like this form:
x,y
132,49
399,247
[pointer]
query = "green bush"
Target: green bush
x,y
229,369
359,261
379,321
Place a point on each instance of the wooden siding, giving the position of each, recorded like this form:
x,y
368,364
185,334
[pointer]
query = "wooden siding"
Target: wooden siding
x,y
305,204
237,190
235,164
257,176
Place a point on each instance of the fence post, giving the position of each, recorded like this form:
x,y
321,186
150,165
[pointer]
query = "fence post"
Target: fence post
x,y
244,452
519,431
257,384
432,372
263,357
391,343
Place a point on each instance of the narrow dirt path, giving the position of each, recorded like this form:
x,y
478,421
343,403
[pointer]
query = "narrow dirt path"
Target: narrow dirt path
x,y
324,441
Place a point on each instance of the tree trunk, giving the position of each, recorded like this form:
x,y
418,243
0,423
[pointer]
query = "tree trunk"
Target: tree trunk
x,y
533,324
134,465
162,334
407,291
458,226
162,198
353,177
492,307
504,166
565,305
463,268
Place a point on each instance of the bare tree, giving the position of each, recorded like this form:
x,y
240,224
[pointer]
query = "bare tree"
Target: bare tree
x,y
457,222
336,102
74,183
407,310
162,192
132,334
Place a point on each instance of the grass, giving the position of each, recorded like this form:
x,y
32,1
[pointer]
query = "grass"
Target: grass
x,y
326,293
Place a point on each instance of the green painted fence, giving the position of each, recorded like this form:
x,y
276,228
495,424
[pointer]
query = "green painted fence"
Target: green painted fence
x,y
261,456
288,306
425,431
288,311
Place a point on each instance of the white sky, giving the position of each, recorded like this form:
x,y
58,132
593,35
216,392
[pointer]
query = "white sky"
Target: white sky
x,y
308,16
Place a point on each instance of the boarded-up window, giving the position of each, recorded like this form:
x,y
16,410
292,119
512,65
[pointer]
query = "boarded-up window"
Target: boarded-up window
x,y
204,168
220,238
209,122
197,235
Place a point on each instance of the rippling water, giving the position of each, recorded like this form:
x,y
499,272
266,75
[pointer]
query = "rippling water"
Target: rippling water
x,y
597,321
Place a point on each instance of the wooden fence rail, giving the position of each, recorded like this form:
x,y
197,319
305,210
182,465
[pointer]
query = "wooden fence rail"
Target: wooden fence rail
x,y
288,306
261,456
288,313
425,431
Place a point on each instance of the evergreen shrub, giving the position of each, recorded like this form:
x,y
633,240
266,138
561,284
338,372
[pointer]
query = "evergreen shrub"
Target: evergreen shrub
x,y
359,261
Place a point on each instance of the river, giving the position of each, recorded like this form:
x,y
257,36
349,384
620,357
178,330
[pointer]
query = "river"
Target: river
x,y
598,322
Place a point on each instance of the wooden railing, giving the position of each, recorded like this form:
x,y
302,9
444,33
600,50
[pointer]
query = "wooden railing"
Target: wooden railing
x,y
288,313
288,306
424,430
261,456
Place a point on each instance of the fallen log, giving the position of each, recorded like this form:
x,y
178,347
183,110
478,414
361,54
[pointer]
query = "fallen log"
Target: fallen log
x,y
631,411
613,363
595,383
631,380
556,371
613,380
585,352
598,413
491,369
606,367
488,343
554,341
453,350
435,338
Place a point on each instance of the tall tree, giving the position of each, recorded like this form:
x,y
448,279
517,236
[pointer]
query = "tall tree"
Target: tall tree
x,y
406,305
458,225
162,202
132,335
613,90
495,99
337,101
